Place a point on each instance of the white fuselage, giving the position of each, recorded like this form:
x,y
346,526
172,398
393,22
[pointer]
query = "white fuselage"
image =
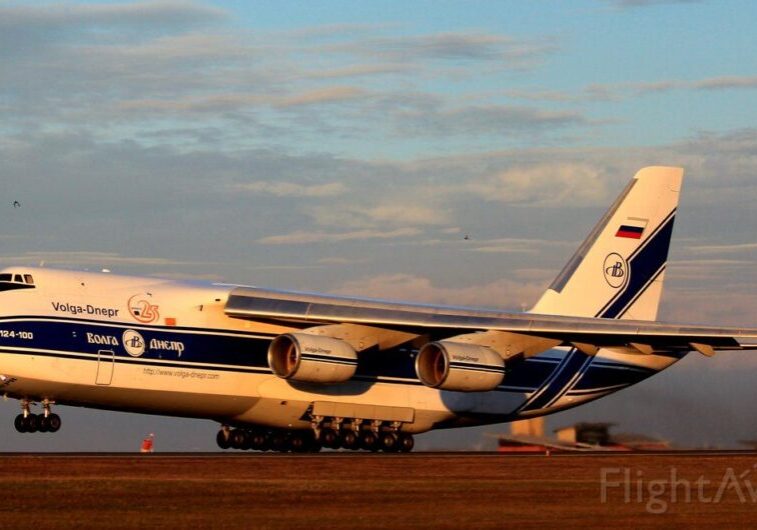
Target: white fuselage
x,y
167,347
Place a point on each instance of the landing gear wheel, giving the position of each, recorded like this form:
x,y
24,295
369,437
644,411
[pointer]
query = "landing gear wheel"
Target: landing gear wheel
x,y
279,442
238,439
53,423
350,440
19,423
44,423
330,438
369,441
389,442
247,445
223,439
32,423
258,441
300,443
406,443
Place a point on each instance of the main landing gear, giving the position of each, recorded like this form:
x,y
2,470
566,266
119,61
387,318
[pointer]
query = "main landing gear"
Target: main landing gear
x,y
267,440
356,433
369,435
44,422
353,435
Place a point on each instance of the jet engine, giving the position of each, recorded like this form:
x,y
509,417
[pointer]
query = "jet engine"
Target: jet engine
x,y
451,365
312,358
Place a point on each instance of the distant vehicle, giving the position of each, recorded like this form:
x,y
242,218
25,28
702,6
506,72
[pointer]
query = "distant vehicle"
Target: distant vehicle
x,y
296,371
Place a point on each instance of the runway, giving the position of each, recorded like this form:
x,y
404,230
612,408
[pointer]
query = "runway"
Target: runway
x,y
358,490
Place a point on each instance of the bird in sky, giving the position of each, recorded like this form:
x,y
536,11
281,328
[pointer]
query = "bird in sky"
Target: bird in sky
x,y
16,204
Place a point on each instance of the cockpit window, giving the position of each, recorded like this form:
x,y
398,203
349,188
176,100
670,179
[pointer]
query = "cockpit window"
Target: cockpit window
x,y
11,282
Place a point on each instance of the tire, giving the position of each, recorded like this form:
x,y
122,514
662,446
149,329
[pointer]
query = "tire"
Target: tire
x,y
407,442
330,438
279,442
19,423
247,444
350,440
53,423
258,441
43,423
368,441
389,442
299,443
238,439
223,440
32,423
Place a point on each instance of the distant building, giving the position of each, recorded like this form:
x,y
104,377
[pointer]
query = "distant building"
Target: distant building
x,y
585,433
532,427
528,437
525,437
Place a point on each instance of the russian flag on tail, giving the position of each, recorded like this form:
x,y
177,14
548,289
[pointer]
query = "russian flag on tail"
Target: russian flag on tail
x,y
632,228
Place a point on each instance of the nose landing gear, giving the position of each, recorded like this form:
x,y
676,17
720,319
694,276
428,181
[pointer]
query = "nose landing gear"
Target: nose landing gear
x,y
28,422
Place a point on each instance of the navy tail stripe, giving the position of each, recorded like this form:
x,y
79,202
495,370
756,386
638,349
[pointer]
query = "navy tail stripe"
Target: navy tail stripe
x,y
644,264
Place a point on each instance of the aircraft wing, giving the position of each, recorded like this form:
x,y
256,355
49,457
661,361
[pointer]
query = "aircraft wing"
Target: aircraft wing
x,y
532,332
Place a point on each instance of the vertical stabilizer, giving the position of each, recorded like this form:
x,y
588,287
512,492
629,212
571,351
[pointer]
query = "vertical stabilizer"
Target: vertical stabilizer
x,y
619,269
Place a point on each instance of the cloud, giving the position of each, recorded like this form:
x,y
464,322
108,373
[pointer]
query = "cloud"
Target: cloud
x,y
712,83
735,248
291,189
646,3
87,259
706,306
302,237
360,70
325,95
143,72
518,246
453,46
501,119
719,83
405,212
505,294
618,91
544,184
613,92
337,260
543,95
24,29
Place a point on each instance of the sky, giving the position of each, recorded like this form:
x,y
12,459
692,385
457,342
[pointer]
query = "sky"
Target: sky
x,y
348,147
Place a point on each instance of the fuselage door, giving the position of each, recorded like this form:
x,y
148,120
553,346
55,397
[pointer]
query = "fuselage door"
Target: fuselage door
x,y
105,363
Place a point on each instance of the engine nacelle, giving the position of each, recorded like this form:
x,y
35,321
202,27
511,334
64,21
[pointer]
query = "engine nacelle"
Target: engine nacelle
x,y
312,358
456,366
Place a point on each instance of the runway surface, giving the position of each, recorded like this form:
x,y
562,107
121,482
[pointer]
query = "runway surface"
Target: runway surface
x,y
358,490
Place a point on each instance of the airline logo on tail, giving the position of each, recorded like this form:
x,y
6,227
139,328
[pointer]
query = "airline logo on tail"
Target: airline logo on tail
x,y
615,270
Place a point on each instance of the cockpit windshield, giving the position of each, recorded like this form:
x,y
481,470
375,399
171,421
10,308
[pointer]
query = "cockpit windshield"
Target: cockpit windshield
x,y
13,281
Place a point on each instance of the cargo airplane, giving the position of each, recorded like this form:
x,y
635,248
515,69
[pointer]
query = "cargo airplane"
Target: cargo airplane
x,y
291,371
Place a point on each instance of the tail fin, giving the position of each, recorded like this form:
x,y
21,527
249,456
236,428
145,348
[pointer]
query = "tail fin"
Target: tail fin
x,y
619,270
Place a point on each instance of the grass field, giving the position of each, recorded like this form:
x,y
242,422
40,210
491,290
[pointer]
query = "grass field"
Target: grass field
x,y
345,491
